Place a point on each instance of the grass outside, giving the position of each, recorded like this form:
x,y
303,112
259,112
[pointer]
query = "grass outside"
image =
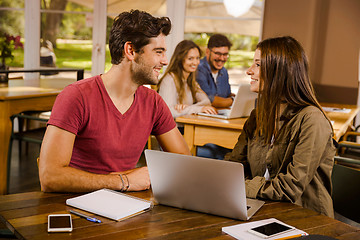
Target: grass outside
x,y
240,59
78,55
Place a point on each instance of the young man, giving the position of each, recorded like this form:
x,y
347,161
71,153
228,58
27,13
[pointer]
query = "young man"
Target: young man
x,y
212,76
99,126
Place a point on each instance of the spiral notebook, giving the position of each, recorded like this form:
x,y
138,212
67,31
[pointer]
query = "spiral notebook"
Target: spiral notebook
x,y
110,204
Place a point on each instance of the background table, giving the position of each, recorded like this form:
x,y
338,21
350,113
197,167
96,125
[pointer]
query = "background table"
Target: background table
x,y
19,96
341,121
199,130
26,215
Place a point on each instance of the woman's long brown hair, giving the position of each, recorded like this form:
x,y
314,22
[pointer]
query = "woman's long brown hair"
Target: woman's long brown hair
x,y
176,68
284,78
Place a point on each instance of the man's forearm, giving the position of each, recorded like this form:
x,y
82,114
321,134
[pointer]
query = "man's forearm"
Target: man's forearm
x,y
69,179
220,102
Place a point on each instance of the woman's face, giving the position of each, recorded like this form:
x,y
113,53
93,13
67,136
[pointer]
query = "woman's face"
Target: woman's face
x,y
191,60
254,72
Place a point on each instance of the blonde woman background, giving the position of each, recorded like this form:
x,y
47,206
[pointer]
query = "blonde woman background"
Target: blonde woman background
x,y
178,86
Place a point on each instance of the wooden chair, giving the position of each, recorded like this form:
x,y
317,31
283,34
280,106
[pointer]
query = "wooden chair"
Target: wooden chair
x,y
30,136
348,145
26,122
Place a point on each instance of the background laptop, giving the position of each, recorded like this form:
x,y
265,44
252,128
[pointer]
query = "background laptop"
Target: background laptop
x,y
200,184
242,106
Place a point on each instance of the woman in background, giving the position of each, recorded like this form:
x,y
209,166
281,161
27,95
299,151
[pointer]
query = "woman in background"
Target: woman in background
x,y
286,145
178,86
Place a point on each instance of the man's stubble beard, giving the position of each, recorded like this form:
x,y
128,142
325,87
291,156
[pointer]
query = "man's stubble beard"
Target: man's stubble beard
x,y
212,67
142,74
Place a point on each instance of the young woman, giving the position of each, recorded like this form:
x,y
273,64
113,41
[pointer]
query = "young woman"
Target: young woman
x,y
286,145
178,86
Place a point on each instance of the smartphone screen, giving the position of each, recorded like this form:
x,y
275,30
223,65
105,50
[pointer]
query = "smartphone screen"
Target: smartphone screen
x,y
270,229
59,223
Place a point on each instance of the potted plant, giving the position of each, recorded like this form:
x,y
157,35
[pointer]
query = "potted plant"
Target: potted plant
x,y
8,44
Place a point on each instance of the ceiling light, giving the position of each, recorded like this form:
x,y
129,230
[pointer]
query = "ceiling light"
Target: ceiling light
x,y
237,8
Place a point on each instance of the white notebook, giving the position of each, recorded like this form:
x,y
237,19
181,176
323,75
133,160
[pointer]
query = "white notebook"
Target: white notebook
x,y
110,204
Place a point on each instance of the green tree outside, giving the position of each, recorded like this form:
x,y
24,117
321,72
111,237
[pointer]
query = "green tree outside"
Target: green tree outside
x,y
78,55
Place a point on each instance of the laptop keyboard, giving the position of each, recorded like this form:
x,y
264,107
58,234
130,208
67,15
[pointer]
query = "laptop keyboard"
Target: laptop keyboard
x,y
224,112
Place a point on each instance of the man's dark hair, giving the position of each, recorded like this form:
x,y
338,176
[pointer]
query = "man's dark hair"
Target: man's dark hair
x,y
219,40
136,27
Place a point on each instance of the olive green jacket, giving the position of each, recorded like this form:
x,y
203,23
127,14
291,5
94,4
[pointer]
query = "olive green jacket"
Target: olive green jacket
x,y
299,161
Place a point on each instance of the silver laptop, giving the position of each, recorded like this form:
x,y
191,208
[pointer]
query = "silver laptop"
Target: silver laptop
x,y
242,106
200,184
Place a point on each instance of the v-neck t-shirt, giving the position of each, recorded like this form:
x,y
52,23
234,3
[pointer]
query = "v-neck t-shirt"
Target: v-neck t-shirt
x,y
106,140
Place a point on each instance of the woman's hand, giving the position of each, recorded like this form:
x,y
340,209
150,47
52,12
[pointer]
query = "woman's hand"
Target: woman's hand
x,y
209,110
180,107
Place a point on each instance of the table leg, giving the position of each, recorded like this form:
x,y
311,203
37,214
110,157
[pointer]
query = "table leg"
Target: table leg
x,y
5,131
189,136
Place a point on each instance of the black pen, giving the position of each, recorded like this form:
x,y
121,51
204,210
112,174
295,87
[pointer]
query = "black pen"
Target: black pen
x,y
91,219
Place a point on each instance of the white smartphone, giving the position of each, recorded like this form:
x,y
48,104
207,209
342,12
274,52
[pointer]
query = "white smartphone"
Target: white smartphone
x,y
270,229
59,223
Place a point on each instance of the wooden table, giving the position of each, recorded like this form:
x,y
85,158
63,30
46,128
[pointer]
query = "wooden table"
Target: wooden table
x,y
199,130
21,96
341,121
26,215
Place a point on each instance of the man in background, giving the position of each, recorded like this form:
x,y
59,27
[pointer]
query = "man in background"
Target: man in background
x,y
99,126
212,76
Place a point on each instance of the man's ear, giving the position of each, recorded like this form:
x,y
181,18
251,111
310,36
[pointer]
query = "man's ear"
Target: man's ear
x,y
129,51
207,52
